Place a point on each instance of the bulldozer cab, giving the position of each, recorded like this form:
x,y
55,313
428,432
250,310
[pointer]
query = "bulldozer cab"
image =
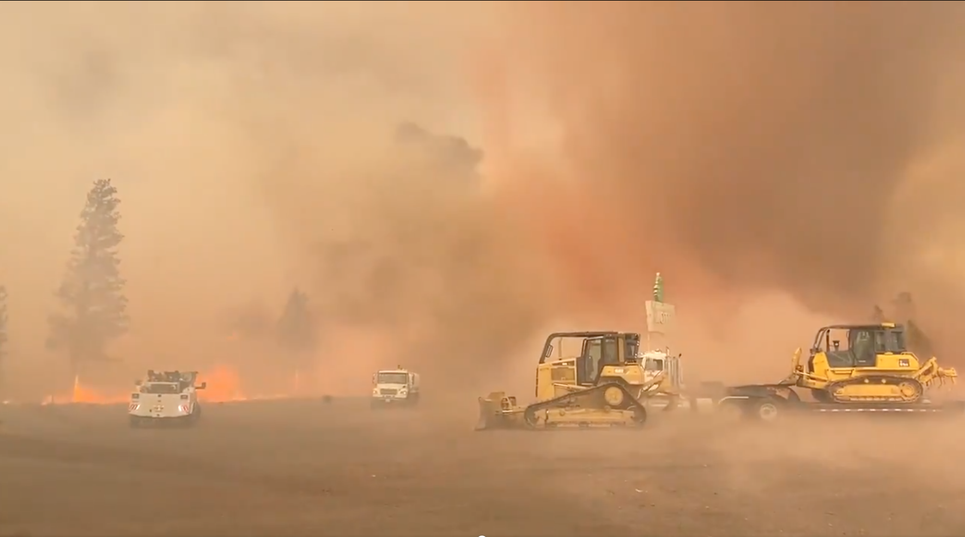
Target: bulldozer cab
x,y
597,352
580,357
856,346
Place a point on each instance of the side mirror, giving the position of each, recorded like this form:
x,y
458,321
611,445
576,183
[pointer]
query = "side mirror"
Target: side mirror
x,y
137,383
202,386
374,382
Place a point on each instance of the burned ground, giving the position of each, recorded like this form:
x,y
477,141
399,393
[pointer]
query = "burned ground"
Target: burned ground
x,y
286,468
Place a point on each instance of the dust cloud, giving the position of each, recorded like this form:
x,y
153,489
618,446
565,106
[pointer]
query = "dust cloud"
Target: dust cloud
x,y
759,464
447,181
809,152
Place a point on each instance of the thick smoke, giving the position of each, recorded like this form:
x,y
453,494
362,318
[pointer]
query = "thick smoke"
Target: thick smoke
x,y
746,146
244,139
808,149
421,261
258,147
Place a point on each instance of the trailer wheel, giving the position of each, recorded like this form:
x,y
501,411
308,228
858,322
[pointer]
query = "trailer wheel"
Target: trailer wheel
x,y
731,410
766,409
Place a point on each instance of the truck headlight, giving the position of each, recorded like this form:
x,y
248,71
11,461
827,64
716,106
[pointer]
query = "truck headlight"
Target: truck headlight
x,y
403,391
375,391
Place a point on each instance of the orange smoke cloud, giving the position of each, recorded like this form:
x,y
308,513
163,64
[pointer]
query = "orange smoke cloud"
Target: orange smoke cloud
x,y
739,148
731,146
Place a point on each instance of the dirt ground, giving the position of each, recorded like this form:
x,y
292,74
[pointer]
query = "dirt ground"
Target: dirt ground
x,y
310,468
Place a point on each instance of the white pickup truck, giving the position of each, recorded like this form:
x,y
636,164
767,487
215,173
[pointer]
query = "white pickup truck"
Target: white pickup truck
x,y
166,398
395,387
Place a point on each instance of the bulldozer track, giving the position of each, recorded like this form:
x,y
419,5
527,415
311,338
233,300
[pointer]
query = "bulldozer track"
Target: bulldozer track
x,y
916,387
892,410
571,401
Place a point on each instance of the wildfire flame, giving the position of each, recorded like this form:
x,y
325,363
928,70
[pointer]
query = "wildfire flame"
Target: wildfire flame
x,y
223,385
83,394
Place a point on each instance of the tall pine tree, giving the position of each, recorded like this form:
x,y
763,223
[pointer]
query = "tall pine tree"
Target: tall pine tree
x,y
296,331
92,292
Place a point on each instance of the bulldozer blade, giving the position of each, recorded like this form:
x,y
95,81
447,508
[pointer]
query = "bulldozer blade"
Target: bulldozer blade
x,y
488,414
497,412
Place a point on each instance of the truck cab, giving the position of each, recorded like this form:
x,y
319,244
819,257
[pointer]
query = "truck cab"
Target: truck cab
x,y
657,363
399,387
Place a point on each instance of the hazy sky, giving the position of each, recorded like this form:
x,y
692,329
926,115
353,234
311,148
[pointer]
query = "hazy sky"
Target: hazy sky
x,y
798,156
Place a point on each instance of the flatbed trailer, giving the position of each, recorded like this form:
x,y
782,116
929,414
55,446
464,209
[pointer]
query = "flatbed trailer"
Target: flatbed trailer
x,y
769,402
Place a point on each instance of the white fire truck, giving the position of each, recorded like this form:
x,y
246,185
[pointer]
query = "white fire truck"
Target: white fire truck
x,y
167,397
395,387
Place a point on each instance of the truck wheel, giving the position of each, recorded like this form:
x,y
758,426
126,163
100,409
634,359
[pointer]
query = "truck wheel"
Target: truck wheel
x,y
414,399
134,422
765,409
732,411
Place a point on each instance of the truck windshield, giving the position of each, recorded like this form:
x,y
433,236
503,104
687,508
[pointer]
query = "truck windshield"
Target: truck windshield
x,y
161,387
393,378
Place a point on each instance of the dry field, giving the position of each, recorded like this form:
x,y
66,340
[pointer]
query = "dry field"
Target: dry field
x,y
310,468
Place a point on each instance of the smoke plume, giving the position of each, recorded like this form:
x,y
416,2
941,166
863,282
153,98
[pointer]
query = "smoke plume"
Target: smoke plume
x,y
804,148
447,181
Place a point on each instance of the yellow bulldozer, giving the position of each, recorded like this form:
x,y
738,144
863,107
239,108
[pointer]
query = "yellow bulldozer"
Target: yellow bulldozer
x,y
849,367
585,379
864,364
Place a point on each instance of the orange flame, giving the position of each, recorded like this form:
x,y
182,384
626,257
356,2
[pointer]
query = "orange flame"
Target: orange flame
x,y
224,384
81,394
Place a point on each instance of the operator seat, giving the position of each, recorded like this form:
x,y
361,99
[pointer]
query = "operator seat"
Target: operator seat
x,y
608,356
863,347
